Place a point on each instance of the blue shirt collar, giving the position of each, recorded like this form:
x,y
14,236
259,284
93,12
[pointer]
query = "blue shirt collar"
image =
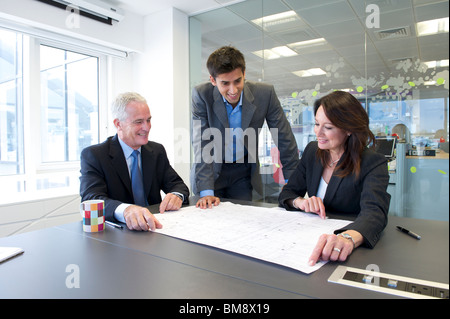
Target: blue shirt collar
x,y
239,103
127,150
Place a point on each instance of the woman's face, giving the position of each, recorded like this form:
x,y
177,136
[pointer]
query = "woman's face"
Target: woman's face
x,y
329,136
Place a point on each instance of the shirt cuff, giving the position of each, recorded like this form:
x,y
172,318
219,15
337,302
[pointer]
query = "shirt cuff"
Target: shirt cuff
x,y
118,213
181,196
207,192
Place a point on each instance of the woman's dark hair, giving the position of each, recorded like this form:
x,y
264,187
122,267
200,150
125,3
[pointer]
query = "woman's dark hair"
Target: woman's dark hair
x,y
225,60
346,113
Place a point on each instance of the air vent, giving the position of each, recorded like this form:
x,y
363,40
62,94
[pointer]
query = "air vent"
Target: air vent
x,y
401,60
393,33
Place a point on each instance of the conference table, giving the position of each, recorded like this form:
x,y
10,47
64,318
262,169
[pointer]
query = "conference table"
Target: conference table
x,y
63,262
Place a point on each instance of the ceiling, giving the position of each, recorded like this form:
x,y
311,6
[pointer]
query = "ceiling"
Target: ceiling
x,y
354,54
146,7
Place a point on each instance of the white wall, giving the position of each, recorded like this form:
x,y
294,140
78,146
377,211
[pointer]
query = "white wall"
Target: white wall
x,y
36,214
158,69
123,36
162,77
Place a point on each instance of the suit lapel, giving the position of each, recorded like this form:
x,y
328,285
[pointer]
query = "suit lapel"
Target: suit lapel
x,y
317,175
148,166
119,162
248,109
333,185
219,108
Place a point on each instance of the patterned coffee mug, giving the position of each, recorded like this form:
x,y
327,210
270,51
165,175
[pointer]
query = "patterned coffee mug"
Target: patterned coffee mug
x,y
93,214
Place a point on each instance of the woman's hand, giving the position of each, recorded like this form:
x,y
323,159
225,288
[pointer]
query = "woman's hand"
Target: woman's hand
x,y
334,247
310,205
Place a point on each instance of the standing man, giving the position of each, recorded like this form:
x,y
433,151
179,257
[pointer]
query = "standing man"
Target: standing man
x,y
112,170
228,113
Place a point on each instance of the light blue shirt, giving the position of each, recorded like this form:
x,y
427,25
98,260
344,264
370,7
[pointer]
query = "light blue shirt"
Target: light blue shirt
x,y
127,151
118,213
235,122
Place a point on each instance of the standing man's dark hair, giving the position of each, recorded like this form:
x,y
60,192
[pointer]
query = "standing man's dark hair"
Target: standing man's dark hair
x,y
225,60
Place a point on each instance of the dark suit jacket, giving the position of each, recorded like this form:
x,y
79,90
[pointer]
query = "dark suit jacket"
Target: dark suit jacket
x,y
104,175
259,103
366,197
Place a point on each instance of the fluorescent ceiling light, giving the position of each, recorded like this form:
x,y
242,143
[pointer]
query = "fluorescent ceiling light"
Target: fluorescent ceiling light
x,y
275,53
284,51
276,19
438,64
308,43
266,54
310,72
432,27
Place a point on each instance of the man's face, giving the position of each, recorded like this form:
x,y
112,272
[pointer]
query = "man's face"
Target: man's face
x,y
135,128
230,85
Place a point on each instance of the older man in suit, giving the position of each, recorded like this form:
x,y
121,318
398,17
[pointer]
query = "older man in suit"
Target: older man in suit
x,y
228,113
112,170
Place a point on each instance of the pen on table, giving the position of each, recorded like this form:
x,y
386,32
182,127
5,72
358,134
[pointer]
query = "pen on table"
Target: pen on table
x,y
113,224
410,233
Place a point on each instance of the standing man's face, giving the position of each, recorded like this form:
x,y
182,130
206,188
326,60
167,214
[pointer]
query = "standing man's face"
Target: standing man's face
x,y
135,128
230,85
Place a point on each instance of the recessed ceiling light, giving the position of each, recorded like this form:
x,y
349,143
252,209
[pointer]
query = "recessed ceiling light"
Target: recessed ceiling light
x,y
308,43
276,19
266,54
284,51
432,27
310,72
436,64
275,53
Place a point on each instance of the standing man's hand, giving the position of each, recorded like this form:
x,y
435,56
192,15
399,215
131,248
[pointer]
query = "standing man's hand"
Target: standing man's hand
x,y
208,202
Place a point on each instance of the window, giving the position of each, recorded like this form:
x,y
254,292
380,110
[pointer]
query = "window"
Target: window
x,y
69,103
11,106
49,112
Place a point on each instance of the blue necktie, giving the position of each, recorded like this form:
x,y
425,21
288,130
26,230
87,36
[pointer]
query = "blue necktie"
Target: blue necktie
x,y
137,184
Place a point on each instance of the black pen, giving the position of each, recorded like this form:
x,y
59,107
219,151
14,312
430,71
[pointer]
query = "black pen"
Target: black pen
x,y
113,224
410,233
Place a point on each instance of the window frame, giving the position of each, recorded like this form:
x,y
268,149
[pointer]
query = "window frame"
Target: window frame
x,y
15,80
35,104
24,185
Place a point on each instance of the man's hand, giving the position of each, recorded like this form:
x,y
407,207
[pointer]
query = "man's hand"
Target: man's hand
x,y
208,201
170,202
140,218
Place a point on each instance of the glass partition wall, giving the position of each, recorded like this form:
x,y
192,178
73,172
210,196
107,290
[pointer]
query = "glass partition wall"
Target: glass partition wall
x,y
392,55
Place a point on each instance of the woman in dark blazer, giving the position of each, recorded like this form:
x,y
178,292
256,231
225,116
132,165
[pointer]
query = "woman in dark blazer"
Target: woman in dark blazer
x,y
341,174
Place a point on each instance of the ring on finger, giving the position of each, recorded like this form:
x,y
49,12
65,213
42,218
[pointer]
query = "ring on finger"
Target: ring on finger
x,y
337,249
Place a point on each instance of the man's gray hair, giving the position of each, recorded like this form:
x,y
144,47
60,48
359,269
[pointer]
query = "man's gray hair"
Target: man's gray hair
x,y
119,104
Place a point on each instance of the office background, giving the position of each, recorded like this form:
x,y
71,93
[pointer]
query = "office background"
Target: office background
x,y
59,71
